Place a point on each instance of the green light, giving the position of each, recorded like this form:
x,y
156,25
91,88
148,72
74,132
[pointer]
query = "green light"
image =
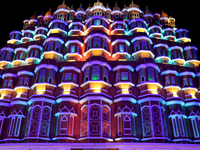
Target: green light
x,y
95,77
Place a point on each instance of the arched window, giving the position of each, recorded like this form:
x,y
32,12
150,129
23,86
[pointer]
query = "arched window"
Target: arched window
x,y
88,44
175,126
45,121
63,124
68,77
119,125
95,73
42,75
3,55
151,76
96,42
124,75
136,45
84,121
58,46
105,74
144,44
51,75
71,125
142,75
106,121
127,125
86,74
195,127
146,121
18,126
8,55
105,44
12,125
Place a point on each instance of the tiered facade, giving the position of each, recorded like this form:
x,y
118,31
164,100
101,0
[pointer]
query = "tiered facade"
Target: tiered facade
x,y
80,79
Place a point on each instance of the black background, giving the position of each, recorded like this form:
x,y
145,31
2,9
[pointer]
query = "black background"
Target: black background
x,y
14,12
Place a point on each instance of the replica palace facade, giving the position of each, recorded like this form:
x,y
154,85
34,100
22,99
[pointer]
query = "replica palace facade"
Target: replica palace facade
x,y
99,79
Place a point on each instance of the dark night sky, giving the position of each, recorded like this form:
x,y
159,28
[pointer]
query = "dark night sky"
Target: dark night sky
x,y
186,13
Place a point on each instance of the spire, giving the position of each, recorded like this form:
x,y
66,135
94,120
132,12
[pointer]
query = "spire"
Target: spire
x,y
115,4
131,1
147,7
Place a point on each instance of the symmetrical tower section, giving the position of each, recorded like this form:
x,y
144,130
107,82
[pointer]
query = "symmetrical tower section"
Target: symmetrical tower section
x,y
100,75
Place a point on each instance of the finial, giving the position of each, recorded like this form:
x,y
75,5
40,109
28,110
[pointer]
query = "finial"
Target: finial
x,y
147,7
131,1
124,5
71,5
63,2
115,4
81,5
107,5
89,5
50,9
97,1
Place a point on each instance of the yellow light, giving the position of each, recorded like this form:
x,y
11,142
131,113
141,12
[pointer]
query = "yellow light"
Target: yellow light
x,y
66,92
40,92
97,90
125,91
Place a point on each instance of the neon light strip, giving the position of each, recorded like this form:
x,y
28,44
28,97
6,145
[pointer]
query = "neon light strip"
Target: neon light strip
x,y
46,66
123,67
9,75
121,40
169,72
73,41
147,65
97,34
141,38
70,68
96,62
118,22
57,21
187,73
53,39
98,17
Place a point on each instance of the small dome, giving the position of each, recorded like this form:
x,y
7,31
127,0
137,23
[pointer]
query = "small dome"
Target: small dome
x,y
34,16
49,12
89,6
98,3
116,7
80,8
71,8
133,5
62,5
164,14
147,11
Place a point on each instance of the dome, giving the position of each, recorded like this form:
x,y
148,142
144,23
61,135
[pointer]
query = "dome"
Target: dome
x,y
71,8
80,8
49,12
89,6
62,5
116,7
98,3
164,14
34,16
147,11
133,5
